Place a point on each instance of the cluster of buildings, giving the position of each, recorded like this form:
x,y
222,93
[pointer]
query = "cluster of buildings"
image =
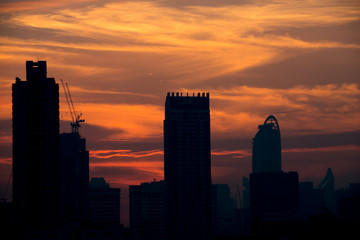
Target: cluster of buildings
x,y
53,198
52,195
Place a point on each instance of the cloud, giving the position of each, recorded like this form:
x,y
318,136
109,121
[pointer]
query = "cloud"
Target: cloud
x,y
16,6
310,139
124,153
191,43
324,149
125,175
136,121
312,165
239,110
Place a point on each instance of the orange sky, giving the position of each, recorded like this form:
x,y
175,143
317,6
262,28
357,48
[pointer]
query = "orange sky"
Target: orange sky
x,y
297,60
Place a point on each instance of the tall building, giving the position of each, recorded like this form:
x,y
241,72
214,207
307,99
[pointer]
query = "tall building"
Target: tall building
x,y
104,202
187,166
272,192
266,153
75,177
36,165
147,209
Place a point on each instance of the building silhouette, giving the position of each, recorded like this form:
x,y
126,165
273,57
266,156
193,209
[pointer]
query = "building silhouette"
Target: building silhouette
x,y
223,214
147,209
104,202
187,166
348,204
266,152
310,199
36,165
75,177
274,194
327,185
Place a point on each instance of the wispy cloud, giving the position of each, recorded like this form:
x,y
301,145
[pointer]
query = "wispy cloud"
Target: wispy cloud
x,y
241,109
323,149
23,5
82,90
213,40
124,153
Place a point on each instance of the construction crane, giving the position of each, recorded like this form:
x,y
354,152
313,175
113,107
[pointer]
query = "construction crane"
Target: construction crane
x,y
75,115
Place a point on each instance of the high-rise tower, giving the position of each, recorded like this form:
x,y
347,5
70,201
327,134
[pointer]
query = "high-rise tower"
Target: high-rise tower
x,y
36,168
266,153
188,165
272,191
74,176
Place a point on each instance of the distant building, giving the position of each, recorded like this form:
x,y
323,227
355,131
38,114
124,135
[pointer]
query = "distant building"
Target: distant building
x,y
75,177
348,204
310,199
266,153
147,209
224,214
327,185
36,165
274,193
246,193
243,214
104,202
188,165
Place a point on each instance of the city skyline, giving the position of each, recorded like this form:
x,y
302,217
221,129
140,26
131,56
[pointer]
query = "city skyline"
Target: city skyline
x,y
295,61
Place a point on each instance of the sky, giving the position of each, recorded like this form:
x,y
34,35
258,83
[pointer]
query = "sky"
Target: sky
x,y
297,60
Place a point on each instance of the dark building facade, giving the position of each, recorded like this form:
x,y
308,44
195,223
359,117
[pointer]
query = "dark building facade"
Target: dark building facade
x,y
327,186
266,153
36,165
104,203
274,193
188,166
75,177
223,213
147,209
310,199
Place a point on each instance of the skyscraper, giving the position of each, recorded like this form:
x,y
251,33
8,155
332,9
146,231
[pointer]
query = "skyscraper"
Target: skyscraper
x,y
36,168
266,153
187,166
272,191
75,177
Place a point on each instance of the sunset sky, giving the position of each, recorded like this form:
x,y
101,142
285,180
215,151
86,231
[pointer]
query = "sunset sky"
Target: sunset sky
x,y
297,60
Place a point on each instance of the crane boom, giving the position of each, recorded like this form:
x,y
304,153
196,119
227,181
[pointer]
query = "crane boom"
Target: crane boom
x,y
75,116
74,112
67,99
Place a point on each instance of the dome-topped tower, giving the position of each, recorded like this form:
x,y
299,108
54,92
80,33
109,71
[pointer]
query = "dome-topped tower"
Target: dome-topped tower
x,y
266,154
